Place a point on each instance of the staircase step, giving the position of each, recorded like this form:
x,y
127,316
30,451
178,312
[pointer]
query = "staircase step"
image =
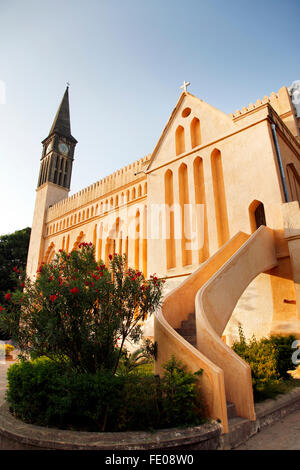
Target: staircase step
x,y
186,331
231,411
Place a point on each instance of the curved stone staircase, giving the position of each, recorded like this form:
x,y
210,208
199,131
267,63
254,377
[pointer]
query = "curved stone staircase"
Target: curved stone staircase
x,y
212,292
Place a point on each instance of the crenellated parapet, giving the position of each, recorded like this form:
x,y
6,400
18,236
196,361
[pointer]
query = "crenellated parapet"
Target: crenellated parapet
x,y
273,99
120,178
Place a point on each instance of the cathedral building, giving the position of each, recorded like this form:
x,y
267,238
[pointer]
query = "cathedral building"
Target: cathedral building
x,y
210,177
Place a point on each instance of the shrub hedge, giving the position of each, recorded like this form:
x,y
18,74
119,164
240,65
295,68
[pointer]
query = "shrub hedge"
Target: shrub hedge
x,y
44,392
269,359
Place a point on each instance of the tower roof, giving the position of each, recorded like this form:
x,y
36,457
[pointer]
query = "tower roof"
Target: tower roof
x,y
61,124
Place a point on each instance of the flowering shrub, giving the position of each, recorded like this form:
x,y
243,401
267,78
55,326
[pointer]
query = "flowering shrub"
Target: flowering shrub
x,y
79,311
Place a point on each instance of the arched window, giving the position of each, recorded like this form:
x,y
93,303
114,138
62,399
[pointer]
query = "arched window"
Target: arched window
x,y
180,140
133,193
185,215
68,244
137,241
257,215
170,240
145,188
195,132
202,228
139,190
220,197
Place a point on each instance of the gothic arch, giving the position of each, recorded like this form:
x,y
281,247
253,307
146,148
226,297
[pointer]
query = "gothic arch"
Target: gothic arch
x,y
185,214
180,140
257,215
49,253
220,197
169,201
195,133
79,239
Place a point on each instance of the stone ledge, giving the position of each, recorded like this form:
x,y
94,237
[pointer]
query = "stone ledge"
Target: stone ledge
x,y
267,413
16,435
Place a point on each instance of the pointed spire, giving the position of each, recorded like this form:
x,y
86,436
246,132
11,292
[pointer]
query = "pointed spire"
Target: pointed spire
x,y
61,123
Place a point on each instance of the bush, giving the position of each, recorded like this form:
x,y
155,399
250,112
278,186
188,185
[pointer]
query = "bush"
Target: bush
x,y
269,359
44,392
80,311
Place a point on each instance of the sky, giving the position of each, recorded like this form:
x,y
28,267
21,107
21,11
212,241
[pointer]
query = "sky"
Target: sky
x,y
125,61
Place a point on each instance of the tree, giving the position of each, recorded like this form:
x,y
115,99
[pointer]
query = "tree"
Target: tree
x,y
79,311
13,252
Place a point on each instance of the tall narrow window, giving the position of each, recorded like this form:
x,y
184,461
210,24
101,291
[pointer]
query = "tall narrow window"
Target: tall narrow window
x,y
220,197
257,215
137,241
68,244
145,247
99,257
180,140
170,240
195,133
200,199
95,237
185,215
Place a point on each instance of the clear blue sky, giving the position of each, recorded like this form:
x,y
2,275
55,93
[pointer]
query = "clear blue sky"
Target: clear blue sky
x,y
125,60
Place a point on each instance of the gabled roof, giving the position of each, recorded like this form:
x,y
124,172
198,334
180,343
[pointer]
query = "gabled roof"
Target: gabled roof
x,y
183,94
172,117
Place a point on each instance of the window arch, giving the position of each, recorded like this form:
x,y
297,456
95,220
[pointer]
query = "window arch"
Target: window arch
x,y
139,190
257,215
185,215
220,197
202,227
195,132
170,240
180,140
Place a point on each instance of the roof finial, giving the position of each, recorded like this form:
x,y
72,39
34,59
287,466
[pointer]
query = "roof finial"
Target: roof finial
x,y
185,84
68,84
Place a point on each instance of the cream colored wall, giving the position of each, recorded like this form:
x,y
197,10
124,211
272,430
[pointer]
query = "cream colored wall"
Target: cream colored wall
x,y
250,172
46,195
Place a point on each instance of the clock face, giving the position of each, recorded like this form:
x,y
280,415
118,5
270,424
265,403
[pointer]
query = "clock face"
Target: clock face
x,y
63,148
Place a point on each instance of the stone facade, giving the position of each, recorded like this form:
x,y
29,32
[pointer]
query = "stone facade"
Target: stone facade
x,y
238,168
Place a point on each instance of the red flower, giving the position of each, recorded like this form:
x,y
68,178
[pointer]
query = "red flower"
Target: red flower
x,y
1,308
22,284
110,257
51,278
74,290
7,296
15,268
53,297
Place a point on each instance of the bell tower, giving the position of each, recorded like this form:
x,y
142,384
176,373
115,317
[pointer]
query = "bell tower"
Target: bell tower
x,y
58,149
54,178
